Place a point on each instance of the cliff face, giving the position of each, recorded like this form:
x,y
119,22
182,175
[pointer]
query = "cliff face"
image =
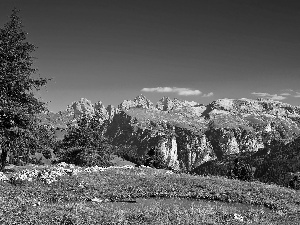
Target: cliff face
x,y
193,149
180,144
189,134
144,136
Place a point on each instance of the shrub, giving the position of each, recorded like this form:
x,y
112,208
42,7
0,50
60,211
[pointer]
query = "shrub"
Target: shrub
x,y
83,156
241,171
84,144
154,158
129,153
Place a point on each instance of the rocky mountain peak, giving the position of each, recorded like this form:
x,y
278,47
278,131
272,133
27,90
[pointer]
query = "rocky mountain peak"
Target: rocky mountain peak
x,y
100,110
139,102
142,102
111,111
99,105
164,104
192,108
222,104
83,106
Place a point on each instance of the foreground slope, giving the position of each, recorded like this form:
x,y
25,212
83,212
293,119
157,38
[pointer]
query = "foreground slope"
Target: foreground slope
x,y
128,195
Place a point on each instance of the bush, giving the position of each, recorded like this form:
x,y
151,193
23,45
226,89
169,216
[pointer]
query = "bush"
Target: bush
x,y
155,158
84,144
82,156
129,153
241,171
214,167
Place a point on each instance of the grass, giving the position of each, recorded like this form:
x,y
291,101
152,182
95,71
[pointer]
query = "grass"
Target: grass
x,y
70,200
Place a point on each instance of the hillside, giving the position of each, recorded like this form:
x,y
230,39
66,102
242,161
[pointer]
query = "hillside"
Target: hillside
x,y
68,194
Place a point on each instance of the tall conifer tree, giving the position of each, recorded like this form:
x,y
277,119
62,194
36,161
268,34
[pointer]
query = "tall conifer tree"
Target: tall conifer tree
x,y
18,104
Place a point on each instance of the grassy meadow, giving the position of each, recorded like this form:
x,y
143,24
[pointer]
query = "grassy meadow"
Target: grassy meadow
x,y
146,196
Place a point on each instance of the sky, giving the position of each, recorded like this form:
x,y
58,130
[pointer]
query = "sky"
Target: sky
x,y
195,50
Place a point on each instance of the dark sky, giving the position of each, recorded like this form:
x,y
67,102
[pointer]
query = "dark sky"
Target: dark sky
x,y
197,50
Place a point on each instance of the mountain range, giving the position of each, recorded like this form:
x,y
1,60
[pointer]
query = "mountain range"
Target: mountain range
x,y
190,135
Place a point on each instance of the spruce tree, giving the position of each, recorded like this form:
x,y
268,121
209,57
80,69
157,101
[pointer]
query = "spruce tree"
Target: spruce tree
x,y
18,104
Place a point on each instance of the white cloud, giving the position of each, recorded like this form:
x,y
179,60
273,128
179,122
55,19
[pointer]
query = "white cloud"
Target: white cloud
x,y
291,92
285,94
277,97
158,89
208,94
179,91
270,96
287,90
261,94
297,95
187,92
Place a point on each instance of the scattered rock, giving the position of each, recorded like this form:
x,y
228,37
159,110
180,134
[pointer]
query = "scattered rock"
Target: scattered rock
x,y
238,217
81,186
3,177
50,174
98,200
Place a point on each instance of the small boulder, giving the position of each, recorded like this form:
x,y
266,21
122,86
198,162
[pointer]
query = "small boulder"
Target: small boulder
x,y
3,177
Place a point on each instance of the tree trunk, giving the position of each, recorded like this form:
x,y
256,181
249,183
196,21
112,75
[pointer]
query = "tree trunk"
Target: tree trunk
x,y
3,157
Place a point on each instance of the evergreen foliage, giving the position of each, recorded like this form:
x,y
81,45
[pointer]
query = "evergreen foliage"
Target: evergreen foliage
x,y
84,144
241,171
18,104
